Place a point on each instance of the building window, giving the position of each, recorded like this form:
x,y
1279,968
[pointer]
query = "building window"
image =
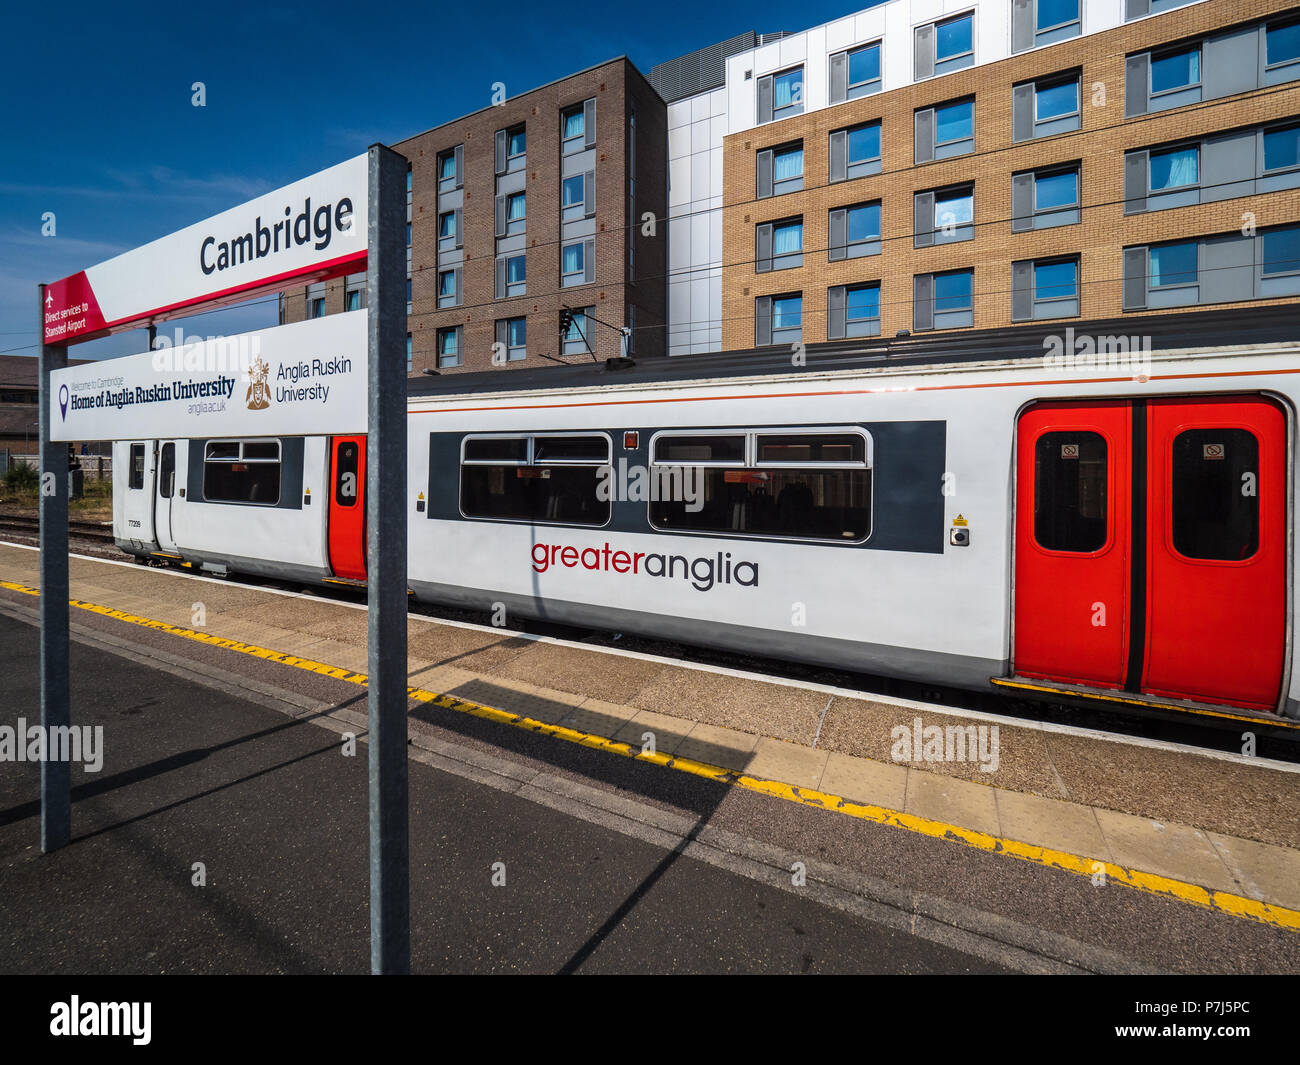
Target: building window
x,y
578,127
354,299
1139,8
577,201
511,276
449,347
549,479
449,287
855,73
410,353
780,95
1035,23
855,152
945,131
853,311
1044,289
576,267
945,216
942,47
854,231
577,339
780,170
943,301
1174,264
778,245
1043,199
778,319
516,213
512,338
1282,53
242,471
450,169
1176,71
1281,148
511,150
1046,107
316,300
1281,254
447,231
1174,168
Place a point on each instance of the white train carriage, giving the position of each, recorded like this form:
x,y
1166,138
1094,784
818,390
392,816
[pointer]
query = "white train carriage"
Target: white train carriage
x,y
983,522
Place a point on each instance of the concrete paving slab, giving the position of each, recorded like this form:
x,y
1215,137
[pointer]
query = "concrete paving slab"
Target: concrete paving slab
x,y
727,747
610,678
515,697
1166,848
451,645
1265,872
956,802
600,718
864,780
335,653
736,702
865,728
1062,826
790,763
668,731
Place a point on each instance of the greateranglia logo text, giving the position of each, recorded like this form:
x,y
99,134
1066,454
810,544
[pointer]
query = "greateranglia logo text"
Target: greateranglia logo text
x,y
703,572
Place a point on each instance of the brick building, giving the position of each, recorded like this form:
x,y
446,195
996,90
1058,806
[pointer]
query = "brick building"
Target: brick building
x,y
1088,175
521,209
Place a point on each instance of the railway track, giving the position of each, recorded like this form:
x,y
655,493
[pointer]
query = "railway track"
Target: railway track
x,y
98,532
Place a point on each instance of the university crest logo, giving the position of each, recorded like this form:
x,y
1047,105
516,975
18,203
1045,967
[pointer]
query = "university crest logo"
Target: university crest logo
x,y
259,392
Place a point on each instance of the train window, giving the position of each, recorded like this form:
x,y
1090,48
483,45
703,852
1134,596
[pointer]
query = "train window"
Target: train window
x,y
701,450
242,471
805,486
543,478
346,479
496,449
570,449
167,471
1215,506
811,447
1070,491
135,474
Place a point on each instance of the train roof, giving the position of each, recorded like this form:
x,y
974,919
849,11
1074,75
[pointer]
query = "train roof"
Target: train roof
x,y
1251,327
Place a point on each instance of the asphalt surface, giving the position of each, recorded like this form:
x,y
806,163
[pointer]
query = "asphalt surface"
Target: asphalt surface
x,y
277,816
600,852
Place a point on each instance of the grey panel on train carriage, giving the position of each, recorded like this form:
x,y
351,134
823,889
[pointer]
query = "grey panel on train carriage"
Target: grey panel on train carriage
x,y
258,566
909,461
291,451
907,663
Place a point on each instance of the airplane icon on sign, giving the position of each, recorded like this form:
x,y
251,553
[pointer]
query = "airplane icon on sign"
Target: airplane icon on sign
x,y
49,298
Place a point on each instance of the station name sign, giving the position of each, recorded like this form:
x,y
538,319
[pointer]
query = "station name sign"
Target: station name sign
x,y
315,227
304,379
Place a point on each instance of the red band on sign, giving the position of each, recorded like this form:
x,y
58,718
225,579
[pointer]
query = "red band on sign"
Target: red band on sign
x,y
72,312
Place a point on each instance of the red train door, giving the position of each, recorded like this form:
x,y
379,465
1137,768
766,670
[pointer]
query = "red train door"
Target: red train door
x,y
1151,547
347,507
1216,549
1072,543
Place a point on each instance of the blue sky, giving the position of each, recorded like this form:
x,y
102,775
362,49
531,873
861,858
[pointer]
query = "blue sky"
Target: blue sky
x,y
100,128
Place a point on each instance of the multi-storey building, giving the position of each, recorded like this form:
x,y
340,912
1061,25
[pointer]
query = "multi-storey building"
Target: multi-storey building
x,y
523,209
917,167
926,166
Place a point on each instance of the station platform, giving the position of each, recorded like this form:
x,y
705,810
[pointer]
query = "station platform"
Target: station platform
x,y
1213,831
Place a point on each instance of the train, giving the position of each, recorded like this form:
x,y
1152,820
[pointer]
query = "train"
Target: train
x,y
1001,516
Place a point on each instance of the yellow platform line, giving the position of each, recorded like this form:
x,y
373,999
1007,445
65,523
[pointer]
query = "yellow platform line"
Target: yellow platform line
x,y
1193,894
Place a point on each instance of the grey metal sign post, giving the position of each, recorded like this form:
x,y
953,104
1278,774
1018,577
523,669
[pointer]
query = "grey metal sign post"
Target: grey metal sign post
x,y
390,892
56,712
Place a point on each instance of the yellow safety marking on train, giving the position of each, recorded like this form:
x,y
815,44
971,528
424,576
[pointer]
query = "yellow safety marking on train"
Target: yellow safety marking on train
x,y
1221,901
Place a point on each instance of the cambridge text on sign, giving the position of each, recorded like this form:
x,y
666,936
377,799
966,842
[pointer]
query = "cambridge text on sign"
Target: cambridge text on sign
x,y
313,227
304,379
